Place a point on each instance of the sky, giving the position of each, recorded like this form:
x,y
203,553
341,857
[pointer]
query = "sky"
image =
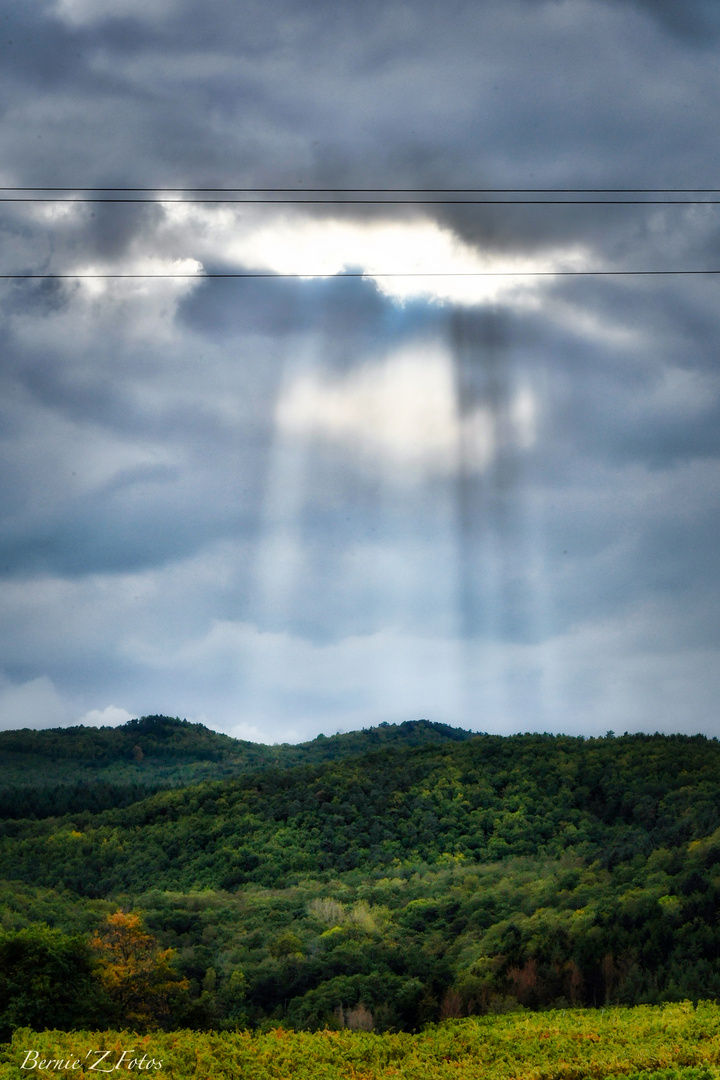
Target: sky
x,y
483,493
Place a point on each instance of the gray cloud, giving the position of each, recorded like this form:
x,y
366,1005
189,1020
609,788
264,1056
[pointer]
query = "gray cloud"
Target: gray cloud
x,y
697,22
166,545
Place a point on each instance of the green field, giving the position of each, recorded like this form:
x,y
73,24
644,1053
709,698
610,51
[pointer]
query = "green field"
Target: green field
x,y
652,1042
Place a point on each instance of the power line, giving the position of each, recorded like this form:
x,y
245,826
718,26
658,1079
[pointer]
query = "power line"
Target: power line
x,y
366,202
387,191
363,274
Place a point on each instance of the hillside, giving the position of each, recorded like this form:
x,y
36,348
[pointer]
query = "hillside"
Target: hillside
x,y
483,798
68,770
456,877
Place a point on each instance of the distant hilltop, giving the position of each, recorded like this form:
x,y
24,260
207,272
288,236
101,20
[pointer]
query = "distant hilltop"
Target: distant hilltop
x,y
62,770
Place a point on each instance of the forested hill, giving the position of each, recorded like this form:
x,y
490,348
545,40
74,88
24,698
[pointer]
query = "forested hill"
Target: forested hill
x,y
50,772
482,798
434,874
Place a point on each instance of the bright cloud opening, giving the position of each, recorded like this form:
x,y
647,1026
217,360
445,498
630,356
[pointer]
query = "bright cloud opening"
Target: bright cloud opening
x,y
416,259
403,410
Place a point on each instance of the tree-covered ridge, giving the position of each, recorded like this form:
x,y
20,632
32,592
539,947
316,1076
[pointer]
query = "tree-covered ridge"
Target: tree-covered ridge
x,y
406,884
143,751
170,737
484,798
69,770
158,736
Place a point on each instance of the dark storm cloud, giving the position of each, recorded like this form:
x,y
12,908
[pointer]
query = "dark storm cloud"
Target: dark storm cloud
x,y
158,480
528,94
697,22
650,394
111,228
423,93
345,310
37,50
145,518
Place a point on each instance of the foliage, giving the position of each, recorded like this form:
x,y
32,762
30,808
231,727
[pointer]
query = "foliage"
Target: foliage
x,y
58,771
70,770
670,1043
422,881
22,905
46,979
159,736
137,976
421,943
485,798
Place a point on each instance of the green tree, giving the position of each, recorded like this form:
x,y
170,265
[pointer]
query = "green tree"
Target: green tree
x,y
47,980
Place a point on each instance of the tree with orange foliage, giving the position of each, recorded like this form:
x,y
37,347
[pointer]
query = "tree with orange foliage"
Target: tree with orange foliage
x,y
137,974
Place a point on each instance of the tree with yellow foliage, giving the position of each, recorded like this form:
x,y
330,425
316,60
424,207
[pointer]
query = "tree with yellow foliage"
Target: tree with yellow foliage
x,y
137,974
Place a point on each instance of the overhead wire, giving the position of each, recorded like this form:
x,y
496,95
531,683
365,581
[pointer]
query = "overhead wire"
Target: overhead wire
x,y
84,200
377,190
275,191
368,274
263,195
